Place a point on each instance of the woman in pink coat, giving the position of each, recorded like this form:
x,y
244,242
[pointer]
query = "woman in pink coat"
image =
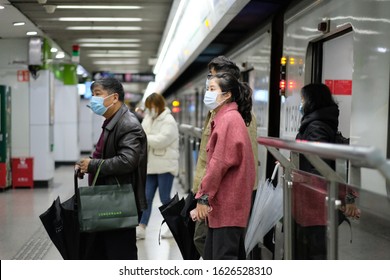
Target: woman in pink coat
x,y
224,196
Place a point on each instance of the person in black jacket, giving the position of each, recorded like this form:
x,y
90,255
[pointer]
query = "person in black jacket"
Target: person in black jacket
x,y
320,119
319,123
123,146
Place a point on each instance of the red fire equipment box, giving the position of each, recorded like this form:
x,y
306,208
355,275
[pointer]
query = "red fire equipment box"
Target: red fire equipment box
x,y
22,172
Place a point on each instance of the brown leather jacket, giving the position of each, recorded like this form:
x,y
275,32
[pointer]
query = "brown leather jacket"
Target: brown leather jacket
x,y
124,154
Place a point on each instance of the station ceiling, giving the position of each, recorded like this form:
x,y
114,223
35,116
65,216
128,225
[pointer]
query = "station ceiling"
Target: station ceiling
x,y
100,49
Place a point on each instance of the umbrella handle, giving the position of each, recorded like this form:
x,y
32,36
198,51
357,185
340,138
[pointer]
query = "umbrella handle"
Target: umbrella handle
x,y
76,187
275,171
76,182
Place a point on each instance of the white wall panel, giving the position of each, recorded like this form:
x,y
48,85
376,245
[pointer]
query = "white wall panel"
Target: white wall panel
x,y
66,131
42,125
85,127
41,152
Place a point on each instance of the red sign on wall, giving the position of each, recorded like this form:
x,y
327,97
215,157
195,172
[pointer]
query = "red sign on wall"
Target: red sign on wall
x,y
340,87
23,75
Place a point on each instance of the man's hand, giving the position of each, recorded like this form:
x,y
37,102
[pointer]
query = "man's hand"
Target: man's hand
x,y
83,165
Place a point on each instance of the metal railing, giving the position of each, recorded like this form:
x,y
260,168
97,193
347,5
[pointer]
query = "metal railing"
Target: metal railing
x,y
189,148
358,157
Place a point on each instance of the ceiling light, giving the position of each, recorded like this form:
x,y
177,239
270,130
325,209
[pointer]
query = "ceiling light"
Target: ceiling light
x,y
105,28
116,62
50,8
107,40
41,2
91,45
113,55
98,7
31,33
110,19
382,50
60,55
2,7
116,51
168,39
20,23
53,50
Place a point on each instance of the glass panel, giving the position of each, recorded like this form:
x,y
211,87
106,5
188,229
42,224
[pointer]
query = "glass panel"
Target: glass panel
x,y
309,216
370,234
366,238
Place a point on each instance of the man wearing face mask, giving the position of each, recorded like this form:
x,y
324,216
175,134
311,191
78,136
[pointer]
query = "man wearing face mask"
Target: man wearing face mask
x,y
163,156
123,146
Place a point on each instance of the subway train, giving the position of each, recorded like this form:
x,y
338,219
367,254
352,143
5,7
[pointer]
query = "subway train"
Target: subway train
x,y
343,44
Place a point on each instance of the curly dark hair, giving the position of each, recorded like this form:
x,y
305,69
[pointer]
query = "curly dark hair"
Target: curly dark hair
x,y
241,93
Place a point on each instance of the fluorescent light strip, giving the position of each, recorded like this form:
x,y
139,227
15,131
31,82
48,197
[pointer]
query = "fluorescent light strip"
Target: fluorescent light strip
x,y
60,55
110,19
98,7
105,28
107,40
19,23
31,33
168,39
105,45
116,51
115,62
112,55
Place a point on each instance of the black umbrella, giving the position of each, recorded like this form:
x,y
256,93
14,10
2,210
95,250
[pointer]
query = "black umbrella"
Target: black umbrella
x,y
176,215
62,225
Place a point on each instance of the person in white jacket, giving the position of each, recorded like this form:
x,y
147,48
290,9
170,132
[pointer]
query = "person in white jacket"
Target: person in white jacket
x,y
163,155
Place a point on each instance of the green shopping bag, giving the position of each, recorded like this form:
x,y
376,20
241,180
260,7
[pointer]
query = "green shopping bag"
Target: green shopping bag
x,y
106,207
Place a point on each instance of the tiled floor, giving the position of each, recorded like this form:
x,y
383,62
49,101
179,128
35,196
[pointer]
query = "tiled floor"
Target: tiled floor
x,y
22,235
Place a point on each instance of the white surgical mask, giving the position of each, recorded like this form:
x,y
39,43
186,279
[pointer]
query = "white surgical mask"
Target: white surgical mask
x,y
153,113
210,99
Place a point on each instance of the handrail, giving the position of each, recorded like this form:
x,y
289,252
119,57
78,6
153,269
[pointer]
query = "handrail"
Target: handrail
x,y
359,156
190,130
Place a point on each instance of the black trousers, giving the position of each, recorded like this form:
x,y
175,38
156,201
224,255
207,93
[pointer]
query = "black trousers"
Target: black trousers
x,y
225,243
309,243
110,245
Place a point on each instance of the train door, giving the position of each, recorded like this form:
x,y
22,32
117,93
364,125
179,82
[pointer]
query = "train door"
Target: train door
x,y
333,65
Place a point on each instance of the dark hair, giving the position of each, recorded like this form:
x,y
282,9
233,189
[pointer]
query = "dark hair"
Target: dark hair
x,y
223,64
157,100
316,96
112,85
241,93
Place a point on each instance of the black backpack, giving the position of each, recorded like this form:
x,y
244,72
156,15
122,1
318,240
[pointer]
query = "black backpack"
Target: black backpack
x,y
340,139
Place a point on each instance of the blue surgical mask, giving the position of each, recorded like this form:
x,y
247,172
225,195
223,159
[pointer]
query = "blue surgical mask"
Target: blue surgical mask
x,y
97,106
301,108
210,99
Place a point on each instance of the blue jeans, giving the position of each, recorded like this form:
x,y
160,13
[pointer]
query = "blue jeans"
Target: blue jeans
x,y
164,183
